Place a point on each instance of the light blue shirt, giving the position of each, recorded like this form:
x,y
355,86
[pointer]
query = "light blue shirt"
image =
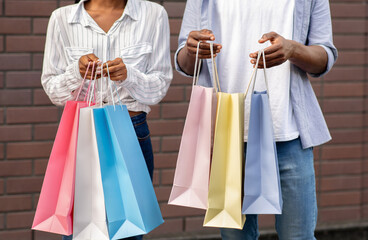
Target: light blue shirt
x,y
312,26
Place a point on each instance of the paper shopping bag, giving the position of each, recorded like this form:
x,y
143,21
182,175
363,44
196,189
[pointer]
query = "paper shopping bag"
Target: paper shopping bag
x,y
262,188
225,188
131,204
55,205
89,204
190,187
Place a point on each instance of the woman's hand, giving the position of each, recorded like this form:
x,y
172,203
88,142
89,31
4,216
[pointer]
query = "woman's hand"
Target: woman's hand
x,y
117,70
203,35
279,52
83,65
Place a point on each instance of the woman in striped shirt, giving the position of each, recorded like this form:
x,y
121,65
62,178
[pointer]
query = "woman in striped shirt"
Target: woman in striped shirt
x,y
132,36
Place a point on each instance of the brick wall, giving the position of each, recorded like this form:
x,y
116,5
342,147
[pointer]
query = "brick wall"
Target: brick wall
x,y
28,123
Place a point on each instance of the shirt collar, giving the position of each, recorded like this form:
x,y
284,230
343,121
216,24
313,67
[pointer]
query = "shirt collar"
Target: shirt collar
x,y
78,13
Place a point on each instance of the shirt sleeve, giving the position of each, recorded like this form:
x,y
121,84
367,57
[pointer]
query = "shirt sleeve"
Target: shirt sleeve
x,y
320,32
191,22
58,79
151,86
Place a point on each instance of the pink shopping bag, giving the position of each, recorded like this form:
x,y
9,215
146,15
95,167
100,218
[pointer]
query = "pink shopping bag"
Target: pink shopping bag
x,y
55,206
190,188
54,211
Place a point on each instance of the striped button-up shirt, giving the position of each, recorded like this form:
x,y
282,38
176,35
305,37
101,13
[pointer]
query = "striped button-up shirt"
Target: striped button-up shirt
x,y
141,37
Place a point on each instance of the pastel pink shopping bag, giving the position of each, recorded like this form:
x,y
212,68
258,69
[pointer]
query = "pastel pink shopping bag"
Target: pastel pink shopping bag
x,y
54,211
190,187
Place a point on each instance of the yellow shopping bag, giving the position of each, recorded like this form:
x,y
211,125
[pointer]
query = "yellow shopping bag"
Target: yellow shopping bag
x,y
225,187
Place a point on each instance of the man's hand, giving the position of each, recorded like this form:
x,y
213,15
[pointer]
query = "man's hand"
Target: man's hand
x,y
279,52
117,70
203,35
83,65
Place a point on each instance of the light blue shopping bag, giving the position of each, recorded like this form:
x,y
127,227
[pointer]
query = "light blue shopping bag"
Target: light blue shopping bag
x,y
262,188
131,204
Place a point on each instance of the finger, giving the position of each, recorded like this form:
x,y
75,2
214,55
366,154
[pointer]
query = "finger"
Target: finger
x,y
193,51
268,36
206,56
114,68
205,35
118,73
91,57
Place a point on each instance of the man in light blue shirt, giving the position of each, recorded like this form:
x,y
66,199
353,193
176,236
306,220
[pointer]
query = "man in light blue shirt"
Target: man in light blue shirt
x,y
303,40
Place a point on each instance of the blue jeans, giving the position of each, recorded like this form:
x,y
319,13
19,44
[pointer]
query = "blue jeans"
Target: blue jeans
x,y
143,134
299,214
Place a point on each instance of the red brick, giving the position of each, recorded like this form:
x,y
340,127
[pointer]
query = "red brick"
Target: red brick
x,y
170,226
342,152
15,203
1,78
28,150
1,7
19,220
1,190
40,166
1,43
341,167
15,133
167,176
195,224
15,97
340,199
155,112
174,110
346,136
348,10
340,183
349,42
64,3
175,25
167,127
179,79
339,214
40,97
365,181
351,58
37,61
2,216
175,9
170,144
15,168
341,105
29,8
16,235
45,131
156,144
25,43
40,25
15,25
344,121
23,79
165,160
15,61
346,74
365,212
344,90
156,178
1,116
163,193
178,211
24,185
1,151
32,115
38,235
365,196
175,94
348,26
173,43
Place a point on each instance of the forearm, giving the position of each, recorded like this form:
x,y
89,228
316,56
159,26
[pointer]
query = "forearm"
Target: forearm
x,y
311,59
186,61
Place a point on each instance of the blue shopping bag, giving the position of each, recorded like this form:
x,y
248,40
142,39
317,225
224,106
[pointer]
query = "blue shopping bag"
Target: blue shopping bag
x,y
262,188
131,204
